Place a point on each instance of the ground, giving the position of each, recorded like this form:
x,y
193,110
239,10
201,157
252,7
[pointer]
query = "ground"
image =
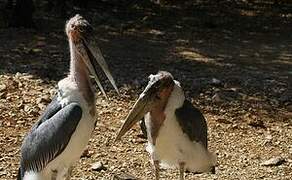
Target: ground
x,y
233,60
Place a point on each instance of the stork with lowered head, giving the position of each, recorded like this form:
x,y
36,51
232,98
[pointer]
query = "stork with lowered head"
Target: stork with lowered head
x,y
58,139
176,130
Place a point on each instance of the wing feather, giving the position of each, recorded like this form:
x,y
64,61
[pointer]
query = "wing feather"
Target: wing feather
x,y
192,122
49,136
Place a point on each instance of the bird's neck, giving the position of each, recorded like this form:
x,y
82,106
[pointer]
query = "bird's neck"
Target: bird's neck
x,y
166,108
80,75
176,99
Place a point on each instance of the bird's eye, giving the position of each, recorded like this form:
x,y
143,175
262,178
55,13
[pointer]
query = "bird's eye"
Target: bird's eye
x,y
72,26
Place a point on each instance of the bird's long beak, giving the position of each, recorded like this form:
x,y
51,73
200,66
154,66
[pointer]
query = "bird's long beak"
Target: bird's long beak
x,y
82,37
94,59
141,107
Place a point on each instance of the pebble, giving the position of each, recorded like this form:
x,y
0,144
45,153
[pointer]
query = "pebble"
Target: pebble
x,y
217,98
215,81
44,98
275,161
97,166
3,88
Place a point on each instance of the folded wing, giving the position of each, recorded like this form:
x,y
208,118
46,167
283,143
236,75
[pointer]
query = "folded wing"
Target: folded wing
x,y
50,135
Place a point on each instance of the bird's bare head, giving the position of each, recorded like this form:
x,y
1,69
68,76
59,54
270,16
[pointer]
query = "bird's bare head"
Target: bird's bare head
x,y
156,93
82,39
78,28
159,87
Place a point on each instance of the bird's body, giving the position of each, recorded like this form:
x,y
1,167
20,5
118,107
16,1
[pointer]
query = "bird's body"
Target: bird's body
x,y
172,145
68,92
61,134
176,130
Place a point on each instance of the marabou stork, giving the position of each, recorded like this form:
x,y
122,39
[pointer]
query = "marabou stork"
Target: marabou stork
x,y
58,139
176,130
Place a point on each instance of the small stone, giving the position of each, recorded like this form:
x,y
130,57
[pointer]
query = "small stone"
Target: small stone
x,y
27,108
87,153
20,122
98,166
42,106
275,161
3,87
43,99
215,81
217,98
269,137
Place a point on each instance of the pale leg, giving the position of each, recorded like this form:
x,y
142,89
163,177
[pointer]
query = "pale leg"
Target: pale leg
x,y
54,174
181,171
65,173
69,172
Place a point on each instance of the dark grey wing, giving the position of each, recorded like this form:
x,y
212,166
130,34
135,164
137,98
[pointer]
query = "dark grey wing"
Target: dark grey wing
x,y
49,137
192,122
50,111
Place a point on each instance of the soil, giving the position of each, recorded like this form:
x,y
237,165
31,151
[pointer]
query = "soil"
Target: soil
x,y
233,60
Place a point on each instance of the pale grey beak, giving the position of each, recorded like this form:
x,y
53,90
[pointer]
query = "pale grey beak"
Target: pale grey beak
x,y
141,107
95,58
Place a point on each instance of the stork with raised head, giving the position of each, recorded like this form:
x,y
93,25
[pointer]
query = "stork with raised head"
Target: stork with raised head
x,y
176,130
61,134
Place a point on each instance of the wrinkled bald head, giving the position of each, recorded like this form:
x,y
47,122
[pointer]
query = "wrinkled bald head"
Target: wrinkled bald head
x,y
78,28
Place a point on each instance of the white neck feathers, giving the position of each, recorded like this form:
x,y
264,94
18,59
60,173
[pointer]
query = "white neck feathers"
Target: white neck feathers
x,y
176,99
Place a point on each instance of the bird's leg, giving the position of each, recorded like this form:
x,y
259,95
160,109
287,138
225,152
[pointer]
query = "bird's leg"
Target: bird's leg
x,y
69,172
181,170
54,174
156,169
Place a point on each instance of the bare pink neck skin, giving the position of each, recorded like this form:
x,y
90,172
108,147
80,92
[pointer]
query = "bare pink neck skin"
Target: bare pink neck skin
x,y
79,73
157,113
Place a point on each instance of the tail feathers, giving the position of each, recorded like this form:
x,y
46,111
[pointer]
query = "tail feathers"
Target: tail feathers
x,y
31,176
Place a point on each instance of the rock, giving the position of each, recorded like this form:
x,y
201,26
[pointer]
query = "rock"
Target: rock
x,y
268,140
215,81
217,98
87,153
275,161
43,99
97,166
124,176
42,106
26,108
269,137
20,122
3,87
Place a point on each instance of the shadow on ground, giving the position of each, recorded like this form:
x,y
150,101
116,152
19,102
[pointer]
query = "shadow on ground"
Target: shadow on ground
x,y
206,45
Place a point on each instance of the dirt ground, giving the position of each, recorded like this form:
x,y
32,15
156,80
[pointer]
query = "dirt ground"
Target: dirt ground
x,y
233,60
